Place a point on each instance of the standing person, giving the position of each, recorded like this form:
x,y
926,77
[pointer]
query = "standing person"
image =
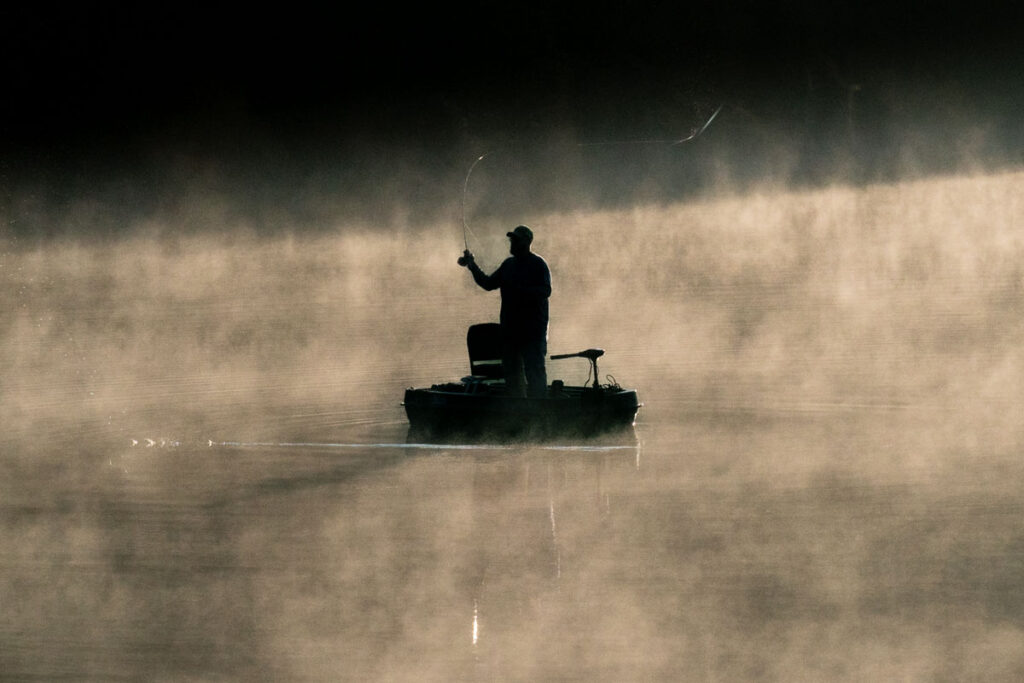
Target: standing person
x,y
525,283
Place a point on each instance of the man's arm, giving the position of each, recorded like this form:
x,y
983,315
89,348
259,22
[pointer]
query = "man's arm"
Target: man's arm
x,y
488,282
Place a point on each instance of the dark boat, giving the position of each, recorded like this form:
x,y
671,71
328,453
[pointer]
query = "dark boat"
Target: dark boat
x,y
480,404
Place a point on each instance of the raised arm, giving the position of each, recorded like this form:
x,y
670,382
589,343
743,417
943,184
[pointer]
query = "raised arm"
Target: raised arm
x,y
488,282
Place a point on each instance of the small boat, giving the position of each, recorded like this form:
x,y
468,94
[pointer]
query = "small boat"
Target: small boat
x,y
480,403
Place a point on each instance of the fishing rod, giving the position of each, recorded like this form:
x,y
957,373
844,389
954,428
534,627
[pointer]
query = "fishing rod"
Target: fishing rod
x,y
465,187
694,134
465,225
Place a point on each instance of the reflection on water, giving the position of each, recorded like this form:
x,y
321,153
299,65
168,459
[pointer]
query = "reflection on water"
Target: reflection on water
x,y
805,548
206,471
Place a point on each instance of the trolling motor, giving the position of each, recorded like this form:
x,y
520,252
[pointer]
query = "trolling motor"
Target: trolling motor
x,y
590,354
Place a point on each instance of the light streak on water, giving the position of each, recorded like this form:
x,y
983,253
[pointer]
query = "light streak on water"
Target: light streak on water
x,y
419,446
554,539
476,624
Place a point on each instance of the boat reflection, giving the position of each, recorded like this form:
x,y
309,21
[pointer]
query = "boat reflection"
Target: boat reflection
x,y
536,511
623,439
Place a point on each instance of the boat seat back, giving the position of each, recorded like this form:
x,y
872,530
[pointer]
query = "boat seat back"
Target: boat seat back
x,y
484,342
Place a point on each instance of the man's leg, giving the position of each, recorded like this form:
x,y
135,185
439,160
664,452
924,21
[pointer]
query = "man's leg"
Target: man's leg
x,y
533,363
512,366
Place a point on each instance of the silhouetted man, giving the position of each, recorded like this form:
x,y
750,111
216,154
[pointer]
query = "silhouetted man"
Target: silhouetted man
x,y
525,283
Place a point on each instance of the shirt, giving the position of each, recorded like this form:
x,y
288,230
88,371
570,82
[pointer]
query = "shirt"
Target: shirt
x,y
525,284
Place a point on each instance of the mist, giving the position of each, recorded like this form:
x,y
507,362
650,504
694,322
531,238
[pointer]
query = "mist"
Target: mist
x,y
220,277
890,294
826,443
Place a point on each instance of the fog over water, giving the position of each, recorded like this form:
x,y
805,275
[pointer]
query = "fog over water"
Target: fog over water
x,y
228,244
204,471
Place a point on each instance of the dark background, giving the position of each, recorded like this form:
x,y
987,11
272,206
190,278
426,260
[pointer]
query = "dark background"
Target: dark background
x,y
281,98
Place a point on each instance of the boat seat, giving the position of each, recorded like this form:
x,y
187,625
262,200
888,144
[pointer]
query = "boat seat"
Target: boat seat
x,y
484,342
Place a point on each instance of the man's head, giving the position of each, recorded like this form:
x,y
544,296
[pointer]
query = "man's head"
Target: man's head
x,y
519,240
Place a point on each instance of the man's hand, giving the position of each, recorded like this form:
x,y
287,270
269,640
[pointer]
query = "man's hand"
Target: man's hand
x,y
466,259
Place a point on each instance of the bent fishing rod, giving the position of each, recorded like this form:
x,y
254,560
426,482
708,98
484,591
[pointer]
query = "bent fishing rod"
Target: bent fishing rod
x,y
465,188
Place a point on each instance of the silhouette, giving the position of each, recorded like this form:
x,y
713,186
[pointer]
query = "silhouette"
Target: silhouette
x,y
525,283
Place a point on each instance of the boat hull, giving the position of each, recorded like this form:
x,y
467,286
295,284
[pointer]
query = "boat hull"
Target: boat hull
x,y
565,411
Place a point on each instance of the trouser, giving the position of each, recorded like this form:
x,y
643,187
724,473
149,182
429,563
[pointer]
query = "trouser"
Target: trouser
x,y
524,360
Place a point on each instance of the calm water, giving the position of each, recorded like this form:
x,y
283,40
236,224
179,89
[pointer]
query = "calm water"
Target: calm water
x,y
718,547
205,471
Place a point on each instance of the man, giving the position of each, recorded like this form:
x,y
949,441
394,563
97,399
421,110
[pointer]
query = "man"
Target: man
x,y
525,283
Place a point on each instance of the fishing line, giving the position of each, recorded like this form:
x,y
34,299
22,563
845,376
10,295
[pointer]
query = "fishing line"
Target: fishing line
x,y
694,134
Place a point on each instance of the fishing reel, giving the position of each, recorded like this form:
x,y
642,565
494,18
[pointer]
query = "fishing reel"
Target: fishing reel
x,y
466,258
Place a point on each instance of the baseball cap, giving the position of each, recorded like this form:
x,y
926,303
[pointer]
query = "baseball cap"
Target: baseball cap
x,y
523,233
